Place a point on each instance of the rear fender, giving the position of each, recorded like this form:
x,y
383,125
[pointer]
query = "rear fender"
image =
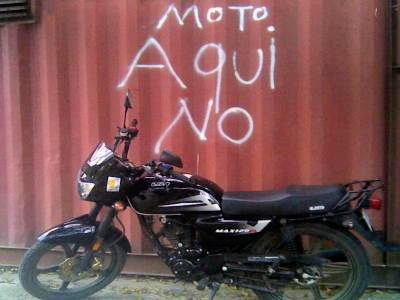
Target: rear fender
x,y
357,224
82,229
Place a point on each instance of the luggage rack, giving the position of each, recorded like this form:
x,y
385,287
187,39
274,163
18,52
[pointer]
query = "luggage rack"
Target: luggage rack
x,y
359,190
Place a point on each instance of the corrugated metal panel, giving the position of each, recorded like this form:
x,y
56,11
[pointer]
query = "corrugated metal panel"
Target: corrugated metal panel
x,y
323,122
393,126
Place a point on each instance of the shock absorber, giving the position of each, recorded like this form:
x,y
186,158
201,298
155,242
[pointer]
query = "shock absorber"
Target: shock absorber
x,y
100,235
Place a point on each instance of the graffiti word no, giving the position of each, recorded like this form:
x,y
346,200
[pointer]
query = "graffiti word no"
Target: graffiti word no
x,y
216,70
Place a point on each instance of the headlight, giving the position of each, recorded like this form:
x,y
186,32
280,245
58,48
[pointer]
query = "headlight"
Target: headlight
x,y
84,188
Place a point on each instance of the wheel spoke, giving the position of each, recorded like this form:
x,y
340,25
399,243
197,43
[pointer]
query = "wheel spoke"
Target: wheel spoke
x,y
48,270
64,286
330,269
277,296
271,296
316,246
316,292
75,248
68,251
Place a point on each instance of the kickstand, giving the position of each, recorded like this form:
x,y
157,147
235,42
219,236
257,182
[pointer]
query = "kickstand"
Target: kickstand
x,y
214,288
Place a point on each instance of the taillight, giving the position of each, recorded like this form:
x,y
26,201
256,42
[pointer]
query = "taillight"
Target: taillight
x,y
375,202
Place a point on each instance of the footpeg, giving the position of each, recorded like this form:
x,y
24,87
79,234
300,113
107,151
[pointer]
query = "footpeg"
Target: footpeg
x,y
202,284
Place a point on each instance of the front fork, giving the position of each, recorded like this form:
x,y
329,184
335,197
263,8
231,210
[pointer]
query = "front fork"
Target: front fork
x,y
95,211
100,235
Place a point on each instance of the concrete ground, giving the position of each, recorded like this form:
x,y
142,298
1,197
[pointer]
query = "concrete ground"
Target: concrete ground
x,y
152,288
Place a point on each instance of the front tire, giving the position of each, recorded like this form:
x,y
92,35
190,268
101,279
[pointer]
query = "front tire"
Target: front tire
x,y
350,247
30,270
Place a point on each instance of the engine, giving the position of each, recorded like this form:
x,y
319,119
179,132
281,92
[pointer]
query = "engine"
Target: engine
x,y
184,256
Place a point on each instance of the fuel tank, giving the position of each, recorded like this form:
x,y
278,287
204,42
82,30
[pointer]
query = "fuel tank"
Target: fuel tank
x,y
171,195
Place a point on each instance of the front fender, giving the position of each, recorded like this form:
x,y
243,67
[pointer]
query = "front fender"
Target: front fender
x,y
82,229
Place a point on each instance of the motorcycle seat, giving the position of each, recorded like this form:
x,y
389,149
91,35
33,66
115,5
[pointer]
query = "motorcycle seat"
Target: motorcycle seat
x,y
292,201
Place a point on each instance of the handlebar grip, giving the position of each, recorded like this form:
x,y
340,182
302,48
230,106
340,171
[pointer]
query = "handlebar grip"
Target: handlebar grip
x,y
133,131
148,169
165,168
134,122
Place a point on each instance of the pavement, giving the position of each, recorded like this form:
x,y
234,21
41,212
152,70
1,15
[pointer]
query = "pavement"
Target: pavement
x,y
154,288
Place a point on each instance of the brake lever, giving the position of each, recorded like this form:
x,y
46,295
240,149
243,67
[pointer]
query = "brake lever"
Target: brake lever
x,y
165,169
148,169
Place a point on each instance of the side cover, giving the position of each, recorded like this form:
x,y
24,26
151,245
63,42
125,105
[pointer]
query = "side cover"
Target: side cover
x,y
172,196
82,229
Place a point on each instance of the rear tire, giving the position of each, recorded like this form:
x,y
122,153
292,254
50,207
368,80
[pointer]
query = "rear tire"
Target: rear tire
x,y
28,274
351,247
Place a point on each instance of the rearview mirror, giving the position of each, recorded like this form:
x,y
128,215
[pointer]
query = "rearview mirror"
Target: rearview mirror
x,y
171,159
127,105
128,100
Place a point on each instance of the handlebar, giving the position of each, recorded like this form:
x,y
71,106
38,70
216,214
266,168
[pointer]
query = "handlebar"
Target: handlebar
x,y
126,135
162,169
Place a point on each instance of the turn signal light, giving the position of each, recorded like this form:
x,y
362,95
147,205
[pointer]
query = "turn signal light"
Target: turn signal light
x,y
119,206
97,245
375,203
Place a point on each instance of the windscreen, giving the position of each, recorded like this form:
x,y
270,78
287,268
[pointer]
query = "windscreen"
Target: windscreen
x,y
100,155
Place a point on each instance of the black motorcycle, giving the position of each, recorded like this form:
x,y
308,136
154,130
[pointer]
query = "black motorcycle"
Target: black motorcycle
x,y
276,243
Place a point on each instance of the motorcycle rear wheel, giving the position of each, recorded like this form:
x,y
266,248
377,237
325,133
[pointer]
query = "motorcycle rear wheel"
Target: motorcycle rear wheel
x,y
43,263
356,267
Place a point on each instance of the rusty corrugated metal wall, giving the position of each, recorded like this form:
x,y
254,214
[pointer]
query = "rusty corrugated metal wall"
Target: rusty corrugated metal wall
x,y
296,90
393,113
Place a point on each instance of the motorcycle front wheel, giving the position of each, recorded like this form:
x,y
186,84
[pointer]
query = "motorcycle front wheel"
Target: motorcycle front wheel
x,y
52,271
342,275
